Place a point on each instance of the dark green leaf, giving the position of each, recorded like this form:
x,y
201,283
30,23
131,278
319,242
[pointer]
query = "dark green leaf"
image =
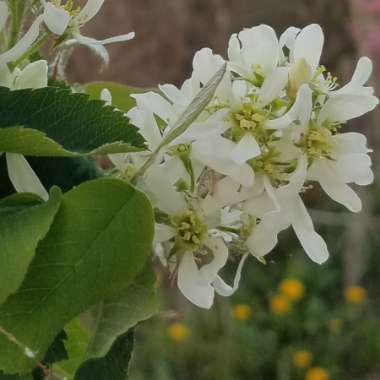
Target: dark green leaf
x,y
55,122
113,317
118,314
98,243
114,365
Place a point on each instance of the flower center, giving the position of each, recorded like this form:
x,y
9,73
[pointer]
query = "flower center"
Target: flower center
x,y
317,142
180,150
250,118
191,229
270,164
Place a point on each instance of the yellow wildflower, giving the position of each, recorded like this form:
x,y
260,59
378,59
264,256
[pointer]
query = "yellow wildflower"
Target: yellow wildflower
x,y
355,294
279,304
302,359
292,288
178,332
317,373
242,312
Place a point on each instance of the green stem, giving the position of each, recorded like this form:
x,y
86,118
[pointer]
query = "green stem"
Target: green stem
x,y
17,8
146,166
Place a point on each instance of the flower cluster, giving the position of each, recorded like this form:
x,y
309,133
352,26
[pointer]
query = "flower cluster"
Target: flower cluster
x,y
234,179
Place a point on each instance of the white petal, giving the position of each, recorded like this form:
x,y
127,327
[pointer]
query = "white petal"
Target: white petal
x,y
156,103
263,203
349,168
264,236
163,233
360,77
92,44
245,149
224,289
301,110
220,252
206,64
288,38
260,47
236,61
346,107
173,93
192,284
207,129
350,142
215,153
159,186
362,72
35,75
23,177
111,40
309,45
147,124
89,11
228,192
23,44
311,241
4,13
106,96
56,19
341,193
273,84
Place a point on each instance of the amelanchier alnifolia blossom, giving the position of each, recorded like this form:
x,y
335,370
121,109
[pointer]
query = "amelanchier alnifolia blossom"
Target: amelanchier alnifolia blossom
x,y
236,177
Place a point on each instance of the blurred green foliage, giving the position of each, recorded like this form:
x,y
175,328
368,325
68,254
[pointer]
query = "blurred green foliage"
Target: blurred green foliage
x,y
310,327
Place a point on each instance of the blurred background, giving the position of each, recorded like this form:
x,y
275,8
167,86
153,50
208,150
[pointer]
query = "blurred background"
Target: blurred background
x,y
290,319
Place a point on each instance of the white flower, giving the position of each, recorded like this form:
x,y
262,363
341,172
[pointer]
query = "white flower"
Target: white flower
x,y
288,209
254,53
20,172
337,159
208,146
199,254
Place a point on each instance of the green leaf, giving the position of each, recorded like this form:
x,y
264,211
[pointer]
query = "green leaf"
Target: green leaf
x,y
17,9
196,107
114,317
98,243
118,314
52,121
65,172
78,338
121,94
114,365
15,377
56,353
24,221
